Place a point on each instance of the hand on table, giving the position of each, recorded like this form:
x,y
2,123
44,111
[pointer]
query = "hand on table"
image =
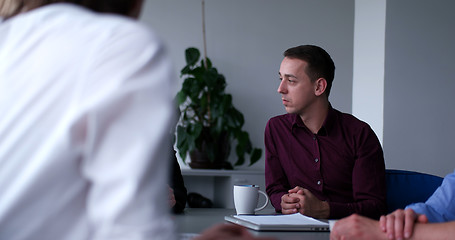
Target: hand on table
x,y
357,227
400,223
228,232
289,204
302,200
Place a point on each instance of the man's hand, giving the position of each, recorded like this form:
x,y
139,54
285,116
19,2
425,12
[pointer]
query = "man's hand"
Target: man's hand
x,y
357,227
289,204
400,223
308,204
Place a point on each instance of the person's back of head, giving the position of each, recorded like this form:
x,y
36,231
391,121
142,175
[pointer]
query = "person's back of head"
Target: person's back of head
x,y
320,64
10,8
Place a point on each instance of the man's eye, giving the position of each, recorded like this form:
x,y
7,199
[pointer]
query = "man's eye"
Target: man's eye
x,y
291,80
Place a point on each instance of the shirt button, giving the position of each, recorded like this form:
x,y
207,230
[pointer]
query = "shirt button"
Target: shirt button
x,y
319,182
314,138
316,160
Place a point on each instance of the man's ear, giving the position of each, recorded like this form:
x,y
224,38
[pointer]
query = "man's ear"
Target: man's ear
x,y
320,86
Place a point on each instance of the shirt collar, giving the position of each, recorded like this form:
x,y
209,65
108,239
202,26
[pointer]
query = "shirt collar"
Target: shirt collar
x,y
326,126
329,121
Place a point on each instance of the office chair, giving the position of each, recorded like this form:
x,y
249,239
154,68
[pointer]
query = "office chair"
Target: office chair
x,y
406,187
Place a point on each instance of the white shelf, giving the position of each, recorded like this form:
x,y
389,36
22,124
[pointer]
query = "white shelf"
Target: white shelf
x,y
217,185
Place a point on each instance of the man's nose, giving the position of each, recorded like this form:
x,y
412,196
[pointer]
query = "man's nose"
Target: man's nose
x,y
282,88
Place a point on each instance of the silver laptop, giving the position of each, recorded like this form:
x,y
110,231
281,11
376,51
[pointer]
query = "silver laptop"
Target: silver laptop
x,y
291,222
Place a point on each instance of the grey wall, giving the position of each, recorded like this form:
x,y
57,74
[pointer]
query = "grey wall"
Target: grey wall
x,y
245,41
419,115
247,37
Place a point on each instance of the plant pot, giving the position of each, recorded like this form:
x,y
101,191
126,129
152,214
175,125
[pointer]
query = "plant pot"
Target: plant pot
x,y
200,160
220,148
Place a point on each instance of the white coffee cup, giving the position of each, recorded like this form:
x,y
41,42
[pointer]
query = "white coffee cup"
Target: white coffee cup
x,y
246,199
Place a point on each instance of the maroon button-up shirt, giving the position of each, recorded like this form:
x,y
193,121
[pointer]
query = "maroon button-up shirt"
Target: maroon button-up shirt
x,y
342,164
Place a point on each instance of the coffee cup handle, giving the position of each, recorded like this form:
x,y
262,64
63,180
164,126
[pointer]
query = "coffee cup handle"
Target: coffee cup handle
x,y
266,201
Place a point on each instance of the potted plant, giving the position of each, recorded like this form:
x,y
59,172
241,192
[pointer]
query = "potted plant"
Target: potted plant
x,y
209,123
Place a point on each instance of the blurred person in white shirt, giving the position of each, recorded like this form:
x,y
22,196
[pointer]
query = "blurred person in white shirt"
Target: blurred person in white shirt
x,y
86,101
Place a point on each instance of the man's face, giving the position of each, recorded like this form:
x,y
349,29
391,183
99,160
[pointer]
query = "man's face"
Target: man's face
x,y
296,89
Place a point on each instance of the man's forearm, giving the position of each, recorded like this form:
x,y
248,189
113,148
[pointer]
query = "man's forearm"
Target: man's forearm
x,y
325,210
439,231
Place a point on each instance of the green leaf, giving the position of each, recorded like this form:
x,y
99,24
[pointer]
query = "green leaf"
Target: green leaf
x,y
204,101
237,117
255,156
196,129
181,97
198,72
240,150
185,70
209,63
182,141
227,102
181,136
219,126
220,83
240,161
242,138
192,56
187,84
209,78
194,89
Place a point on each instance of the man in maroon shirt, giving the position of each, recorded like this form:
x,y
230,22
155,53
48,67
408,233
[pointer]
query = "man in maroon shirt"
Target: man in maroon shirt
x,y
319,161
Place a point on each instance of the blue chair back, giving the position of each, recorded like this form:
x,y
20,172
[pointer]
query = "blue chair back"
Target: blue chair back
x,y
406,187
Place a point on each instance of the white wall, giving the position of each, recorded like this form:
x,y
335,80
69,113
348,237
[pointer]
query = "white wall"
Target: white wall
x,y
368,77
246,39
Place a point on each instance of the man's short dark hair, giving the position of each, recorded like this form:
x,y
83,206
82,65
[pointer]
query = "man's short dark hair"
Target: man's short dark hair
x,y
320,64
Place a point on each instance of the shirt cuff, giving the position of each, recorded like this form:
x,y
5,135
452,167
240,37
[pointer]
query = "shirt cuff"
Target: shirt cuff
x,y
422,208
